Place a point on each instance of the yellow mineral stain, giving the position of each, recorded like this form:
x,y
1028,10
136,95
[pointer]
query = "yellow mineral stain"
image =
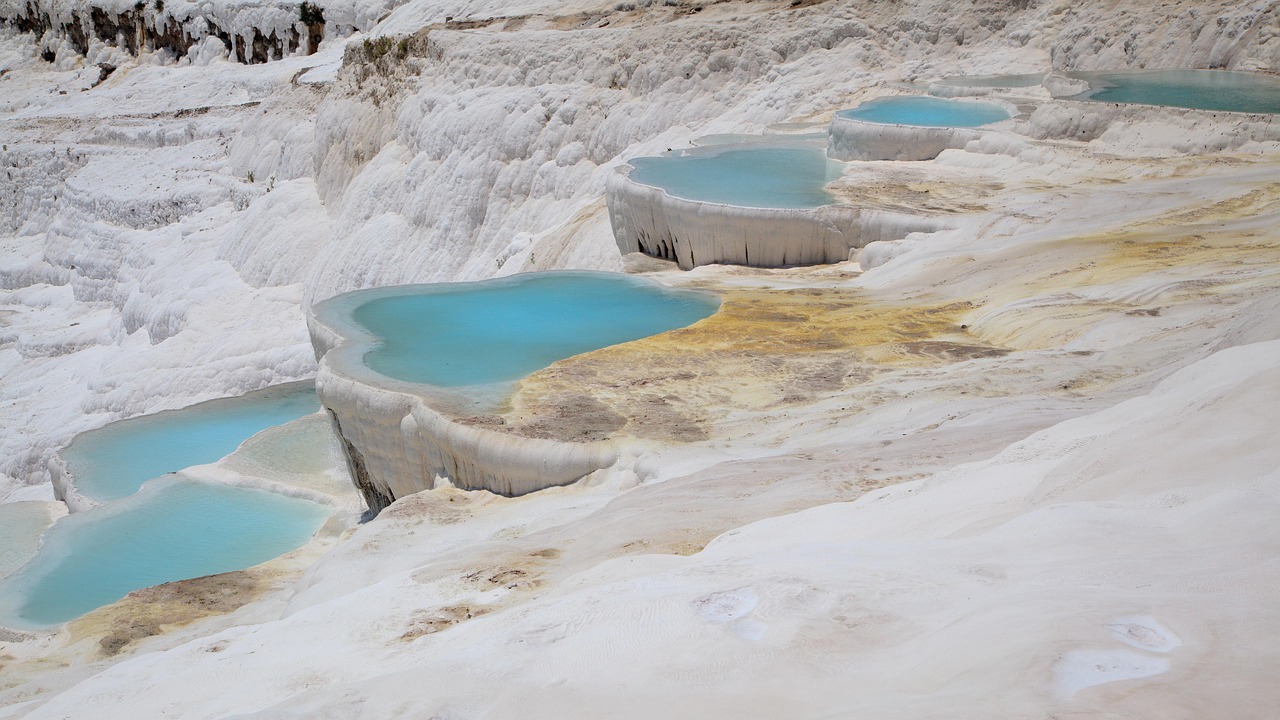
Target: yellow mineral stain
x,y
1204,252
771,348
763,349
935,190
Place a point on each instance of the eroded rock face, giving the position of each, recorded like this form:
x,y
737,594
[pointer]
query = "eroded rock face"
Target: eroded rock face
x,y
146,27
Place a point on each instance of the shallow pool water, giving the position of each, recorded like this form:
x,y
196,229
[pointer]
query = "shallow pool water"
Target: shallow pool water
x,y
173,529
762,177
113,461
461,334
21,524
304,453
1197,89
926,112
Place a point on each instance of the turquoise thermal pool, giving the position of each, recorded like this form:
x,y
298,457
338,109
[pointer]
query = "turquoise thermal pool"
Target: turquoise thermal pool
x,y
1196,89
759,177
926,112
173,529
113,461
461,334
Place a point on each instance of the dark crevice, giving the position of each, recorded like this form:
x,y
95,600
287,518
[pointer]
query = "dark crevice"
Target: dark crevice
x,y
375,497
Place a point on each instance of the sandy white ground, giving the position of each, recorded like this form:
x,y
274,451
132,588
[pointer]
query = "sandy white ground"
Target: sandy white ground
x,y
1082,525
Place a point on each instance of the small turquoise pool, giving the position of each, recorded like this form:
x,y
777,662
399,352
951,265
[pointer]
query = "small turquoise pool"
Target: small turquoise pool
x,y
761,177
173,529
460,334
113,461
1196,89
924,111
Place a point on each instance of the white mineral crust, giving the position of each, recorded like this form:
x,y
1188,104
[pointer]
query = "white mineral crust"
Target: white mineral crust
x,y
1082,526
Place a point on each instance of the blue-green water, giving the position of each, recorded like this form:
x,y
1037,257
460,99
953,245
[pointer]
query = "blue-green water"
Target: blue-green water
x,y
172,530
462,334
113,461
995,81
926,112
766,177
1197,89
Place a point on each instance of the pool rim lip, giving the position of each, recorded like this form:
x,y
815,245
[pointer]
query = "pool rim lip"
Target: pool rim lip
x,y
351,341
64,478
1010,110
779,142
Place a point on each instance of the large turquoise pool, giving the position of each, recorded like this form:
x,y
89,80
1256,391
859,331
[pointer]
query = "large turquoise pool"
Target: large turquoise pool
x,y
762,177
924,111
113,461
461,334
173,529
1197,89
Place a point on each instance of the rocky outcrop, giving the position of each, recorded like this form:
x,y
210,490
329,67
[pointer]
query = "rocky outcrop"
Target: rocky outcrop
x,y
150,27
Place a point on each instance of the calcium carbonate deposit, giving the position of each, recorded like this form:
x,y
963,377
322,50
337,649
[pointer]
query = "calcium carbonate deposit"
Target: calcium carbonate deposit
x,y
996,439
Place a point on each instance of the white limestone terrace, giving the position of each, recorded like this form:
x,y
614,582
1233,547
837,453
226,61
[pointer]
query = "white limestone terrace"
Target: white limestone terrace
x,y
397,444
428,421
765,231
853,138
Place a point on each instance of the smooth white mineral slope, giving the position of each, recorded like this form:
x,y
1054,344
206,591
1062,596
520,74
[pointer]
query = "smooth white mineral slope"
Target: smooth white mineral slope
x,y
1137,542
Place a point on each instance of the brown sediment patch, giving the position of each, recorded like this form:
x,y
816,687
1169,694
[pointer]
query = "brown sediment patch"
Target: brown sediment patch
x,y
595,419
763,349
155,610
441,507
941,350
510,568
428,622
913,190
672,543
